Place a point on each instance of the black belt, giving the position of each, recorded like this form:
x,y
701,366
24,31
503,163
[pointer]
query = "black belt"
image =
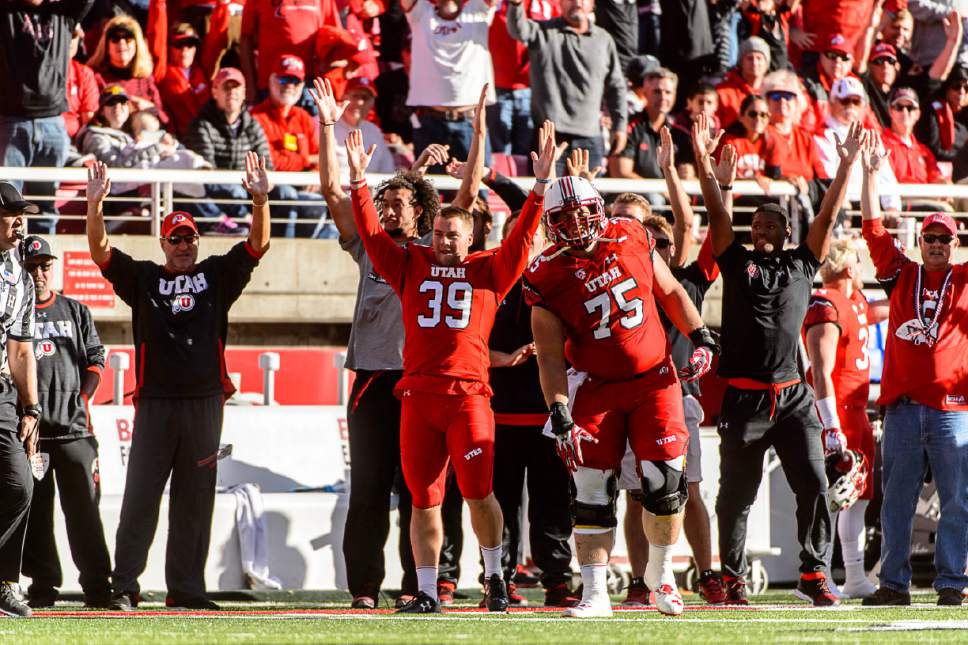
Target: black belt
x,y
455,114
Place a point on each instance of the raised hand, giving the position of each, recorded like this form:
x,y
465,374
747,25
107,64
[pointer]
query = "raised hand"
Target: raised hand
x,y
850,147
357,156
435,154
704,144
256,179
480,112
725,169
330,110
665,153
952,26
98,182
548,152
873,154
577,165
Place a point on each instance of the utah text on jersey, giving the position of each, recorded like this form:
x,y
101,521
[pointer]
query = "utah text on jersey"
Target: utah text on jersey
x,y
181,289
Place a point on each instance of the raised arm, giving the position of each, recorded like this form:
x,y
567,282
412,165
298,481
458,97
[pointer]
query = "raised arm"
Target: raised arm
x,y
682,214
946,59
520,27
818,236
474,169
98,187
887,258
388,258
256,181
337,201
720,223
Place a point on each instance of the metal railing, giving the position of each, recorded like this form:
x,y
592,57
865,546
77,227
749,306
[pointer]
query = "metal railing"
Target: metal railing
x,y
162,198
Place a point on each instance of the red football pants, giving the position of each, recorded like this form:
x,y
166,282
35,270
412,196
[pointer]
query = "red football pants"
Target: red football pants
x,y
646,411
438,427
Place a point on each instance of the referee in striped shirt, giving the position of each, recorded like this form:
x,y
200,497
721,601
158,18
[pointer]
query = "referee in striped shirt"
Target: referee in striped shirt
x,y
18,414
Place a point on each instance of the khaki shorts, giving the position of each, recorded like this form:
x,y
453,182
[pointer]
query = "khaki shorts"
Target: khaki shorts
x,y
629,479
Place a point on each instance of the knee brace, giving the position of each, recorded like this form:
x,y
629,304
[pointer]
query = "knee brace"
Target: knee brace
x,y
664,486
593,501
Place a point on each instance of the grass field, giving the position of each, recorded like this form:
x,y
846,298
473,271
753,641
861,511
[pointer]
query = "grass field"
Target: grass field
x,y
774,617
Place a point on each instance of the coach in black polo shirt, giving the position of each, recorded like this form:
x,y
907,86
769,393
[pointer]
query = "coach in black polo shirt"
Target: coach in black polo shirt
x,y
179,317
765,296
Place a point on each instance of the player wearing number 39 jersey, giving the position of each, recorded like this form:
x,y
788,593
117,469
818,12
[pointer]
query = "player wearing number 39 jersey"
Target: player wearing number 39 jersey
x,y
449,299
594,297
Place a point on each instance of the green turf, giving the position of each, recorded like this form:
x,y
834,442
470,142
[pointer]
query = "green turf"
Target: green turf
x,y
927,624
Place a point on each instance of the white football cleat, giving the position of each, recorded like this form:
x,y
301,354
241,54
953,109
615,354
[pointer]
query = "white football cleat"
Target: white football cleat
x,y
668,600
589,609
858,588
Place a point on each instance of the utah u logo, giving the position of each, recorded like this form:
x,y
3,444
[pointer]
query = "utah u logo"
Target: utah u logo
x,y
183,302
44,348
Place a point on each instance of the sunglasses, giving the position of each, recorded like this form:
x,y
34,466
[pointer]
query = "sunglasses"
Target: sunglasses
x,y
780,95
837,56
884,60
661,243
289,80
851,100
182,44
175,240
904,108
931,238
753,114
43,266
116,38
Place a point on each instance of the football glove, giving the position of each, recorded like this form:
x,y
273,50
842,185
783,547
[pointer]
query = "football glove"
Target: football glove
x,y
701,360
568,436
834,442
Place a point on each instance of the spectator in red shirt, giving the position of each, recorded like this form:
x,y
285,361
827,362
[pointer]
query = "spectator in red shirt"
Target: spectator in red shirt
x,y
825,18
784,96
743,80
185,87
291,132
122,58
509,123
911,160
82,92
759,153
277,27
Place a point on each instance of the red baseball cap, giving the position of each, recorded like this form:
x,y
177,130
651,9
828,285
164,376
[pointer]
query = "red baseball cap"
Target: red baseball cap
x,y
882,49
289,65
360,83
228,74
943,219
838,43
176,220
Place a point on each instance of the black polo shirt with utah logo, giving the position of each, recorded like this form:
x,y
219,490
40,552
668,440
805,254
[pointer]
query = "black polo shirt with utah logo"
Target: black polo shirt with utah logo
x,y
765,300
180,321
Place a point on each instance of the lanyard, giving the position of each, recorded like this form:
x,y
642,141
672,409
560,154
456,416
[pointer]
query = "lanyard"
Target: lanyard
x,y
927,323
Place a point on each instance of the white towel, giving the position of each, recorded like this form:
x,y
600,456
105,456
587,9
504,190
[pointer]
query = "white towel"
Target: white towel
x,y
253,536
575,379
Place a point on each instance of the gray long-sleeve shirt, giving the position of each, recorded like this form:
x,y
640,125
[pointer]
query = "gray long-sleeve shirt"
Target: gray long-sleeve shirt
x,y
571,74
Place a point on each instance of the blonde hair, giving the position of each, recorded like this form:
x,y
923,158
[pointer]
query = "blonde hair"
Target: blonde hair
x,y
658,222
638,200
141,66
842,253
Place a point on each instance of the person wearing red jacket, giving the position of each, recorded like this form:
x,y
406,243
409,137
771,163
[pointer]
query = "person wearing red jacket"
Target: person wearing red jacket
x,y
185,87
912,161
82,92
924,385
743,80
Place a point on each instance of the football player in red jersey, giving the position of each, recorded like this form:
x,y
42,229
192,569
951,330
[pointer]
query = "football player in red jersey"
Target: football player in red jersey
x,y
449,298
835,334
594,295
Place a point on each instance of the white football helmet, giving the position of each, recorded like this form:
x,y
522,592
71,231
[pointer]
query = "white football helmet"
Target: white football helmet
x,y
848,481
565,223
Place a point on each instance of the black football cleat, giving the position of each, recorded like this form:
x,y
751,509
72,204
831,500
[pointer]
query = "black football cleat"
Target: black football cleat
x,y
420,604
496,594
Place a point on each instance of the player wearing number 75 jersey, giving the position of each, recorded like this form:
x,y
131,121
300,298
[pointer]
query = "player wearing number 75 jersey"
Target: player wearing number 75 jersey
x,y
449,299
594,299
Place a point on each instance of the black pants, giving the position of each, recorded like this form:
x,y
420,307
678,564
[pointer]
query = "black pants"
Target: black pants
x,y
746,432
373,417
73,463
16,486
177,437
520,449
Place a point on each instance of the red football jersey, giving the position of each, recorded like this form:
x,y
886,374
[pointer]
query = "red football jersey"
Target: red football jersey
x,y
448,312
605,302
851,375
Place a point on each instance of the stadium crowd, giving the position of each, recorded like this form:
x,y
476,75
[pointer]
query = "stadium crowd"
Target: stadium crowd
x,y
826,95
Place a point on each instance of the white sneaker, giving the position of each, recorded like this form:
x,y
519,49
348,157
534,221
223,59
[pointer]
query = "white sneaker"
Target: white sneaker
x,y
589,609
668,600
858,588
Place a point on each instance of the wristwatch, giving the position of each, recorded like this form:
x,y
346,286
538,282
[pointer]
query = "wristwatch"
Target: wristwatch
x,y
33,410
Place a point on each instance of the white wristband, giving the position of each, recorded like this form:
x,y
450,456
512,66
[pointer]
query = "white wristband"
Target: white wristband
x,y
827,409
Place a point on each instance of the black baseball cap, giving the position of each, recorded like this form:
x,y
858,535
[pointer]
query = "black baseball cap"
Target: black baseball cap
x,y
11,201
37,247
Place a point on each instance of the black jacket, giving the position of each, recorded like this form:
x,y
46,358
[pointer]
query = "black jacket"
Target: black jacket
x,y
216,141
